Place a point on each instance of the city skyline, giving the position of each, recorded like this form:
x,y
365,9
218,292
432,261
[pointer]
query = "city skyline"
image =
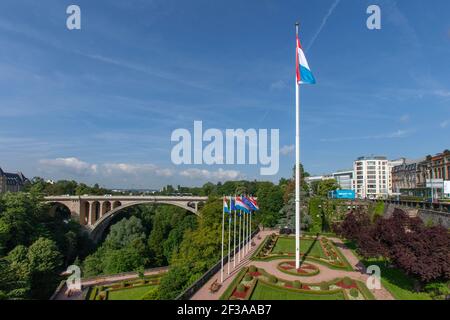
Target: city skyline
x,y
99,104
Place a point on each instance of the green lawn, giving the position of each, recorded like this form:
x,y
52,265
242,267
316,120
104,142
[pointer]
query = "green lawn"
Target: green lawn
x,y
394,280
135,293
263,291
287,245
398,283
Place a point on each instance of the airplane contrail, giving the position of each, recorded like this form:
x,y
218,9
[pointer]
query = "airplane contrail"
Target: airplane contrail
x,y
324,21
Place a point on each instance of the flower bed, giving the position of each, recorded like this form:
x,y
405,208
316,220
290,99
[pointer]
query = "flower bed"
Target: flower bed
x,y
344,288
305,270
320,250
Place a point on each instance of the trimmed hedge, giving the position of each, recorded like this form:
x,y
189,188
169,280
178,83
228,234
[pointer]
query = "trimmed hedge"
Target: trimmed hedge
x,y
294,273
365,291
324,286
347,281
303,290
273,279
240,288
354,292
229,291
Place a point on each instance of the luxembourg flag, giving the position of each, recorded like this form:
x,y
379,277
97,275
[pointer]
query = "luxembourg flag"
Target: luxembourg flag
x,y
240,205
225,205
254,203
304,74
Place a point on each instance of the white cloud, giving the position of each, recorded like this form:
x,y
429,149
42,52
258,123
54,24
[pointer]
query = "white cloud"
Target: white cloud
x,y
277,85
404,118
442,93
135,169
444,124
77,167
70,165
391,135
285,150
220,174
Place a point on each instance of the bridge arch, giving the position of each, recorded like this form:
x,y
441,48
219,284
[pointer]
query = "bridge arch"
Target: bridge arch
x,y
106,207
60,209
95,212
100,225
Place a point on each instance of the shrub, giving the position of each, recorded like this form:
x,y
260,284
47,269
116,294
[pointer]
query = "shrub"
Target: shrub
x,y
354,293
438,290
273,279
240,288
152,294
347,281
324,286
248,277
252,269
297,284
101,296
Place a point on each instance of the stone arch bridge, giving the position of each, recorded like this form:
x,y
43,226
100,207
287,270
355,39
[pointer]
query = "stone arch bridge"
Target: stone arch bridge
x,y
96,212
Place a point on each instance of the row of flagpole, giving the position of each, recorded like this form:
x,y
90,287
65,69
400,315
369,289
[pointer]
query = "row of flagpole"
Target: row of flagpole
x,y
242,206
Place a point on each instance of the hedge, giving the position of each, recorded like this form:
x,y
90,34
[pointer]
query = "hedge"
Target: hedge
x,y
365,291
316,272
229,291
303,290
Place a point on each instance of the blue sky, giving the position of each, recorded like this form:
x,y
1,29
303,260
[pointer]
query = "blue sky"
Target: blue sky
x,y
99,104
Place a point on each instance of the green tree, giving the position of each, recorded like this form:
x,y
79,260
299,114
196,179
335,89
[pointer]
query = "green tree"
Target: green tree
x,y
199,250
125,232
44,260
325,186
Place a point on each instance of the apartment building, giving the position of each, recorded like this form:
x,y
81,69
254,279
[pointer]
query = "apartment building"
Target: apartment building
x,y
371,177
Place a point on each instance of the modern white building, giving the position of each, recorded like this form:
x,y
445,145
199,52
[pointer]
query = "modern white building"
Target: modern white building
x,y
371,177
344,178
312,179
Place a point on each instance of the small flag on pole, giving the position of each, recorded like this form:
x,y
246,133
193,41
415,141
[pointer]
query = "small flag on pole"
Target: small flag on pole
x,y
241,205
304,74
249,203
254,203
225,205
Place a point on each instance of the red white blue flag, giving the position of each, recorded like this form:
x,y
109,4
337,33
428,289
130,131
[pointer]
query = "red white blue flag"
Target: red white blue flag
x,y
304,74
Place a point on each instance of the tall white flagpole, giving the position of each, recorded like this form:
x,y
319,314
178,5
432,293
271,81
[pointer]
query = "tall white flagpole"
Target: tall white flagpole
x,y
239,244
223,229
297,161
248,228
234,241
246,232
250,233
229,241
243,234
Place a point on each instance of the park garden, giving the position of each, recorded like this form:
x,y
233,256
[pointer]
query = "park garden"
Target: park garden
x,y
144,288
254,283
314,248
